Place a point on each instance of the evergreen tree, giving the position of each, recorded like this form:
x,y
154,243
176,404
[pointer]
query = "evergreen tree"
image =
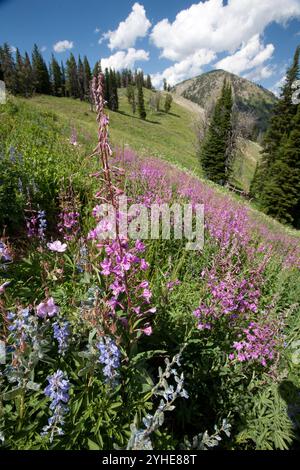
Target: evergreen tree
x,y
20,85
97,69
107,86
141,103
148,83
72,84
80,69
28,76
40,72
113,102
87,79
280,196
56,77
168,103
279,127
165,85
63,79
8,68
215,152
131,97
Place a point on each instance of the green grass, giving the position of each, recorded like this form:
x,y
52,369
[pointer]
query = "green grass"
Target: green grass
x,y
167,136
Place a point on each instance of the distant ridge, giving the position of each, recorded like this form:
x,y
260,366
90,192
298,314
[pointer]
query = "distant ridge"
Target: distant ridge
x,y
252,100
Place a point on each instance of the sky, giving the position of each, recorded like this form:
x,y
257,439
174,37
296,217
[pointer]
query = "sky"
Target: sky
x,y
171,39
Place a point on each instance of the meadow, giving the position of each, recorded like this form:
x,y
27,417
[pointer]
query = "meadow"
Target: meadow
x,y
132,344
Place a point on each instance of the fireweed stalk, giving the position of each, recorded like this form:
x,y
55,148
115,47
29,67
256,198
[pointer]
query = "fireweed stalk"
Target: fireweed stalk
x,y
122,265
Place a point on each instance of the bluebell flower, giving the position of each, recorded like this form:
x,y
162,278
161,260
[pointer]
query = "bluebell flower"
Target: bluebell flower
x,y
110,358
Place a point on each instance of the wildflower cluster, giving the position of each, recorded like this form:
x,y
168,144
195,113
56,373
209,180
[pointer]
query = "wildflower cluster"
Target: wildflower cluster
x,y
259,344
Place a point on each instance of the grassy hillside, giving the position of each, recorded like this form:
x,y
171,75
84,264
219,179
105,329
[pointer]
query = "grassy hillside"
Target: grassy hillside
x,y
168,136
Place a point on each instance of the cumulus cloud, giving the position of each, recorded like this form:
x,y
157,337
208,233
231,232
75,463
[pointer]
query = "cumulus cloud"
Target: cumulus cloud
x,y
122,60
218,27
135,26
186,68
251,55
62,46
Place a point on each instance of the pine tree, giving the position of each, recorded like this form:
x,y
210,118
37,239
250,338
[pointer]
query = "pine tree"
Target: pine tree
x,y
113,102
168,103
28,76
280,196
40,72
63,79
131,97
72,84
20,86
8,68
148,83
280,126
141,103
87,79
165,85
56,77
80,69
97,69
215,152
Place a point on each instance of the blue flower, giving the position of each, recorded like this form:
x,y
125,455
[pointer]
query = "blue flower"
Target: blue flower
x,y
62,333
58,391
110,358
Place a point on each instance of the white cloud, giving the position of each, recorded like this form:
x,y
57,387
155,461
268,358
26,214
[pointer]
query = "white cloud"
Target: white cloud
x,y
97,30
276,88
186,68
218,27
43,48
135,26
122,60
62,46
251,55
260,73
13,49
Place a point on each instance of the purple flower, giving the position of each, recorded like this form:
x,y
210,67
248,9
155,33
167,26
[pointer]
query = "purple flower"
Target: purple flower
x,y
57,246
61,333
47,309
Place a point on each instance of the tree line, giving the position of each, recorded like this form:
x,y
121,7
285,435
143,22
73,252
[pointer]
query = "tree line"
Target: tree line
x,y
276,184
25,75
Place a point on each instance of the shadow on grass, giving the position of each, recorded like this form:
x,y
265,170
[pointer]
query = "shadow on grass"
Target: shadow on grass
x,y
135,117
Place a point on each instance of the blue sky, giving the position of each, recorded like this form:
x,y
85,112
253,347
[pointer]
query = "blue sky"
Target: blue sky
x,y
172,39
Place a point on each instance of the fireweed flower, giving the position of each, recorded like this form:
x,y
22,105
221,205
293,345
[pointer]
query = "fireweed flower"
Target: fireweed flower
x,y
57,246
110,359
61,332
47,309
58,391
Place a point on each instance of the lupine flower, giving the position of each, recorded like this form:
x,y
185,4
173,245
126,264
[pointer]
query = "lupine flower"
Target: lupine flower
x,y
61,333
42,224
58,391
5,256
110,358
47,309
57,246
